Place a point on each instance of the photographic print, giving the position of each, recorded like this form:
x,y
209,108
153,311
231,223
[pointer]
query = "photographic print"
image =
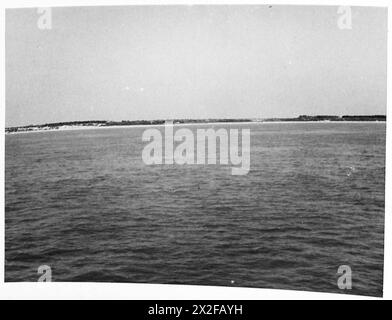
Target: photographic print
x,y
214,145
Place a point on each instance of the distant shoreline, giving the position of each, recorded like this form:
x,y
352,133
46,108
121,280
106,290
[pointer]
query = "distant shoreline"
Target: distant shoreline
x,y
90,125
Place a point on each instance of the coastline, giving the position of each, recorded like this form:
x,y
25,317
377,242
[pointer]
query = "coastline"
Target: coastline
x,y
81,127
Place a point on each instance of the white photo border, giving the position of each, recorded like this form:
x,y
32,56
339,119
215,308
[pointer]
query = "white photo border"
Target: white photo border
x,y
27,290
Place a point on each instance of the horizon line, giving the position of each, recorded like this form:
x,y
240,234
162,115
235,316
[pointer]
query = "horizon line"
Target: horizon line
x,y
245,119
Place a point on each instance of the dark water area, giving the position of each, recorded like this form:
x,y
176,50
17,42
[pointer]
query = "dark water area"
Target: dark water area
x,y
84,203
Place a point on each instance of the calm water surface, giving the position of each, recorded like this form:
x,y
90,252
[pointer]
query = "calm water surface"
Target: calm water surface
x,y
84,203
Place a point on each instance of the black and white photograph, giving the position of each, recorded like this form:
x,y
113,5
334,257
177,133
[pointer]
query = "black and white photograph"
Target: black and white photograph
x,y
209,145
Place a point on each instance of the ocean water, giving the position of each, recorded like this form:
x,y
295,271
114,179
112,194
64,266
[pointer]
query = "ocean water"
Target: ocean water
x,y
84,203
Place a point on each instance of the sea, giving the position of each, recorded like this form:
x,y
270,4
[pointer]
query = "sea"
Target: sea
x,y
85,204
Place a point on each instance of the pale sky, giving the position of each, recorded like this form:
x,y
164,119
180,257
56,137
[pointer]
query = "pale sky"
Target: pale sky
x,y
144,62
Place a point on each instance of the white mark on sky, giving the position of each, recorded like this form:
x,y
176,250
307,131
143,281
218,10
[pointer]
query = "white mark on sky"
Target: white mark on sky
x,y
128,88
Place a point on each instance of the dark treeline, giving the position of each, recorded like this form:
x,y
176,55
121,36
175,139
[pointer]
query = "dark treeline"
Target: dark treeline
x,y
332,118
104,123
